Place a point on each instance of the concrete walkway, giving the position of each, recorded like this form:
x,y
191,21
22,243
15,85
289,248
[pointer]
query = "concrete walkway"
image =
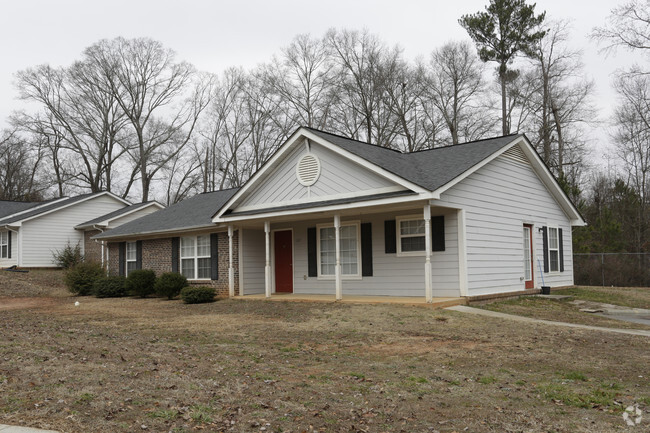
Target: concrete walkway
x,y
480,312
14,429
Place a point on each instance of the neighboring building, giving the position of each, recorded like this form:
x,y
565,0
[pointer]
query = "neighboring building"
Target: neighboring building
x,y
181,238
30,232
93,250
331,215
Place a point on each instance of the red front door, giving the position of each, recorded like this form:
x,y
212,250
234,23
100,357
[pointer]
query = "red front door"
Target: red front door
x,y
283,255
528,256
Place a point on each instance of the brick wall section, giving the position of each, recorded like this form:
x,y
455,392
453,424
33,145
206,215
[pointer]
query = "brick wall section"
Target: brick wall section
x,y
157,255
92,249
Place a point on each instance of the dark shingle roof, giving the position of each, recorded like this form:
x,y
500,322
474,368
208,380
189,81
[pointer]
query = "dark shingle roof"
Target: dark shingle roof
x,y
8,208
429,169
114,214
195,212
55,205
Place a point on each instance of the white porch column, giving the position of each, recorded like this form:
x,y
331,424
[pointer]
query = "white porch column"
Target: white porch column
x,y
267,267
428,288
462,253
231,270
337,272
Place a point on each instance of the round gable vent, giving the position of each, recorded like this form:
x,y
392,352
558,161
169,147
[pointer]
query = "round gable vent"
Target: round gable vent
x,y
308,170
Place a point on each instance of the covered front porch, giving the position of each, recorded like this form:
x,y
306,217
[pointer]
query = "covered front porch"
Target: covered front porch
x,y
410,253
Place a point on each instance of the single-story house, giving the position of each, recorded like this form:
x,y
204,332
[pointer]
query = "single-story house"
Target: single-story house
x,y
331,215
30,232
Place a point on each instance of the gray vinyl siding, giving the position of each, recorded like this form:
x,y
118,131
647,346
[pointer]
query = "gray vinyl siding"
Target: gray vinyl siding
x,y
392,275
499,198
45,234
253,261
132,216
338,176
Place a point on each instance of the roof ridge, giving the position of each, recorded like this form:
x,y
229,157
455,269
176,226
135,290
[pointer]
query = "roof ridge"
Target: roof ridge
x,y
466,142
355,140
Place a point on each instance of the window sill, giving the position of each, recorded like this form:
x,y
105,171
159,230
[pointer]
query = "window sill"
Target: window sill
x,y
343,277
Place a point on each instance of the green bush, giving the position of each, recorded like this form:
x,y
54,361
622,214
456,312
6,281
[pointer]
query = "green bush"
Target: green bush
x,y
197,295
140,282
170,284
110,287
68,257
81,278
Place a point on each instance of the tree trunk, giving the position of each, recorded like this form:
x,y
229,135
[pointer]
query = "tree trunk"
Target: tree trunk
x,y
560,140
504,118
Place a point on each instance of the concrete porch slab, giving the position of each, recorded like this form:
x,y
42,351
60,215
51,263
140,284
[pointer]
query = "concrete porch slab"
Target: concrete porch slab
x,y
358,299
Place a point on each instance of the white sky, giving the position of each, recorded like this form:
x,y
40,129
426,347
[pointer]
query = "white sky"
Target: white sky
x,y
214,35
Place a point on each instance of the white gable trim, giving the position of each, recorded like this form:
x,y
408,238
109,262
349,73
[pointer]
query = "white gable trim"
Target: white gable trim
x,y
90,197
270,165
539,168
319,209
106,222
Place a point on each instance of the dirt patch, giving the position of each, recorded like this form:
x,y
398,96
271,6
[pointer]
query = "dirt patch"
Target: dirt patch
x,y
36,282
125,365
28,303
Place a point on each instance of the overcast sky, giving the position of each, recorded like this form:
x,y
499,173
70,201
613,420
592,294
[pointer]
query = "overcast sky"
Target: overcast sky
x,y
214,35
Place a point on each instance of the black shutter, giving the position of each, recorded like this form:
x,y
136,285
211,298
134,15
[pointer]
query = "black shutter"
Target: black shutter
x,y
122,259
559,239
545,247
8,244
366,249
214,256
138,254
390,234
176,250
312,265
438,233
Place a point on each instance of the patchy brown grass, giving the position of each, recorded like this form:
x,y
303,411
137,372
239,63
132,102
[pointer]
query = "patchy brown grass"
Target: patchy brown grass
x,y
558,311
125,365
634,297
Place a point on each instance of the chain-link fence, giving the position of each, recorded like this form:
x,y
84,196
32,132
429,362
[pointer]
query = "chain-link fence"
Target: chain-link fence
x,y
612,269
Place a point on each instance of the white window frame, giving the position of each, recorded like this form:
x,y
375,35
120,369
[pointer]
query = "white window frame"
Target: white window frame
x,y
195,256
357,276
399,236
4,242
557,248
134,259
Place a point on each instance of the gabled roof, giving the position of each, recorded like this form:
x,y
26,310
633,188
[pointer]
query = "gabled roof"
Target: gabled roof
x,y
105,220
193,213
428,173
52,206
431,168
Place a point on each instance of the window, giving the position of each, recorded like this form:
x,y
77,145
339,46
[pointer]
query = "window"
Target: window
x,y
411,236
553,249
131,257
350,250
195,257
4,245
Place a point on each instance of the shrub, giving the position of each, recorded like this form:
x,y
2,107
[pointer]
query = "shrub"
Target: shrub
x,y
110,287
140,282
81,278
197,295
170,284
68,257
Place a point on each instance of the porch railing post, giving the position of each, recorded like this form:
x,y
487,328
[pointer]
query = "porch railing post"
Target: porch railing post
x,y
267,267
337,234
428,289
231,270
